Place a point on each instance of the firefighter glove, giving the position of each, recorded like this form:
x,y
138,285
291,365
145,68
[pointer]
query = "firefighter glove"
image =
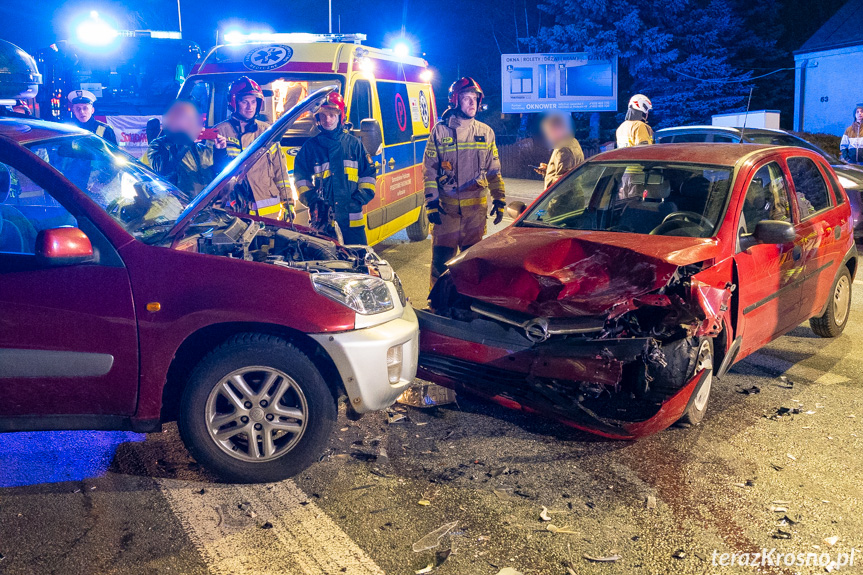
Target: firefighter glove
x,y
290,212
497,208
434,211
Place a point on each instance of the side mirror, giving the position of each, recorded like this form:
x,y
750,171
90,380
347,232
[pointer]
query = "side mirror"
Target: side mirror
x,y
768,232
515,209
371,135
63,247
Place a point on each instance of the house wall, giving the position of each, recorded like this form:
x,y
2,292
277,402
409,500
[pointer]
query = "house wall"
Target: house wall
x,y
827,88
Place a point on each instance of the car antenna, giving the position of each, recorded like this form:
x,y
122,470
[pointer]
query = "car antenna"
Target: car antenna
x,y
746,117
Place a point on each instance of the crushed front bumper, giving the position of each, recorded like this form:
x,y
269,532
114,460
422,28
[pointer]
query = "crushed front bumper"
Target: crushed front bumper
x,y
361,357
499,363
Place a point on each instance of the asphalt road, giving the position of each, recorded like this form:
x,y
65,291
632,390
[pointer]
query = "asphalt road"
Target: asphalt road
x,y
746,479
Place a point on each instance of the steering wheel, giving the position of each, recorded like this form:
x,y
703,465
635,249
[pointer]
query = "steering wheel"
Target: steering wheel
x,y
689,217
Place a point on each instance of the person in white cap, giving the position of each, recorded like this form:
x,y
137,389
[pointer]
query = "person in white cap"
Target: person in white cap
x,y
81,104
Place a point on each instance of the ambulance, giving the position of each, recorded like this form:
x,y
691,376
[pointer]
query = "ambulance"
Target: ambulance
x,y
390,107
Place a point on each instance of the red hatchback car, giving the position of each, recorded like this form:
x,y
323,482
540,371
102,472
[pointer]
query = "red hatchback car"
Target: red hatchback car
x,y
124,304
615,299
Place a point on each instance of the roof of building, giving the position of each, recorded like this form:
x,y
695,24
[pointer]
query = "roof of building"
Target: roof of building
x,y
840,31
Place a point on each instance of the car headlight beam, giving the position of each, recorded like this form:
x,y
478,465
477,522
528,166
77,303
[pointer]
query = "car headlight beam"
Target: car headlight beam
x,y
366,295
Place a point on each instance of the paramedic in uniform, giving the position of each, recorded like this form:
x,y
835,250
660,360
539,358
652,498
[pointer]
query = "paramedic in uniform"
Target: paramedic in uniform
x,y
333,171
460,167
81,104
266,189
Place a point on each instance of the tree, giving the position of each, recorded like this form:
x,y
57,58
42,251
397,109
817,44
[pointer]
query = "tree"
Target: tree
x,y
678,52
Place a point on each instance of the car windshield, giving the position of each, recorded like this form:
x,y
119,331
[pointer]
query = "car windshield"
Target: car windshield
x,y
637,197
142,203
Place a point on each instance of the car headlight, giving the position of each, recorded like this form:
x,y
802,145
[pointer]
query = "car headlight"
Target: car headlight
x,y
364,294
847,183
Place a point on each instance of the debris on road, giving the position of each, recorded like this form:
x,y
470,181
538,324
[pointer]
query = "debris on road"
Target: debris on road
x,y
543,515
424,502
831,541
785,382
778,509
555,529
267,525
609,559
679,554
509,571
427,569
651,502
432,540
750,390
780,534
791,457
395,417
441,556
427,395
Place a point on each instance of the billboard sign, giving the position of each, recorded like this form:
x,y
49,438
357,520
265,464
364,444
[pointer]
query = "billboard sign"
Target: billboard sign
x,y
569,82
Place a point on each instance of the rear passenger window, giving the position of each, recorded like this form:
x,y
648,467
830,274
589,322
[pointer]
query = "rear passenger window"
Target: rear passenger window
x,y
723,139
837,189
690,138
395,112
812,195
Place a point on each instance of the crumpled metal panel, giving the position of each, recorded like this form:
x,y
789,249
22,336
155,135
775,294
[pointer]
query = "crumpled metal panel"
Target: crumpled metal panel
x,y
557,273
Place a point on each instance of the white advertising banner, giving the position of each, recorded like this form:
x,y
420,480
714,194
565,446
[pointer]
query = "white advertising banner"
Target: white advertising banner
x,y
131,132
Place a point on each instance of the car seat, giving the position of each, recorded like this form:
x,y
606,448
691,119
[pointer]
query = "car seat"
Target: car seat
x,y
641,216
17,234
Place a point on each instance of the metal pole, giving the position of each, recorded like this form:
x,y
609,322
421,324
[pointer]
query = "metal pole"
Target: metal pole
x,y
180,18
330,4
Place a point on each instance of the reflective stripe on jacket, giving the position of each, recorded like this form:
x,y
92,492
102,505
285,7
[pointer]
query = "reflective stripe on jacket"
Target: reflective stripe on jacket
x,y
634,133
336,166
267,181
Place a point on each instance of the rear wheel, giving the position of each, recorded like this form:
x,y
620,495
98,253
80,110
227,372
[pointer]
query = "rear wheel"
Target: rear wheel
x,y
256,409
419,230
833,320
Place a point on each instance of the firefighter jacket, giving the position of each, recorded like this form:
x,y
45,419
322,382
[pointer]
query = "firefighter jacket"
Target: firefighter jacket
x,y
851,145
460,167
563,159
189,165
634,133
334,167
101,129
267,186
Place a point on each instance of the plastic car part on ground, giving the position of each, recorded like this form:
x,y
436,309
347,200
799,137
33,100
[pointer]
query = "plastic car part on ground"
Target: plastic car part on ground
x,y
426,395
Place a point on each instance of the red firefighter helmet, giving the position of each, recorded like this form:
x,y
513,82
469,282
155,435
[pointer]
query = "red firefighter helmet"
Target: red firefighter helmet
x,y
463,85
333,101
241,87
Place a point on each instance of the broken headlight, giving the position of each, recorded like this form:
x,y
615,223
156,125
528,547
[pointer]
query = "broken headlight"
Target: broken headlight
x,y
364,294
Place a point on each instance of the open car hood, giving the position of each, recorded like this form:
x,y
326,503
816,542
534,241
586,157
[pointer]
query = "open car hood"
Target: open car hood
x,y
560,273
240,165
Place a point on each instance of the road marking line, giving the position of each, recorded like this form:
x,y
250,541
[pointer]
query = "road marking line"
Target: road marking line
x,y
225,523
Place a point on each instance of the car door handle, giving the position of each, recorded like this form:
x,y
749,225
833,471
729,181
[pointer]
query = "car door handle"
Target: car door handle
x,y
796,253
377,166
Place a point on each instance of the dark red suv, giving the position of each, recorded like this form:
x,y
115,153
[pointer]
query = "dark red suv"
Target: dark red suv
x,y
613,301
124,304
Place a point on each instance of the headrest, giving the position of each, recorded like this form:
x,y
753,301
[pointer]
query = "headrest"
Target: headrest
x,y
695,187
658,191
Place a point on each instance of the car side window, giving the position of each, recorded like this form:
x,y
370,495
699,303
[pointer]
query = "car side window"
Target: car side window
x,y
837,189
25,210
722,138
812,195
766,198
694,137
361,103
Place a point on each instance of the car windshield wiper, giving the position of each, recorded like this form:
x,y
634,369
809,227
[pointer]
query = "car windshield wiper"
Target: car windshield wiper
x,y
536,224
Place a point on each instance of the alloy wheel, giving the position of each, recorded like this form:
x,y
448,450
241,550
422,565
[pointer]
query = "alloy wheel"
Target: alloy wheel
x,y
704,362
841,299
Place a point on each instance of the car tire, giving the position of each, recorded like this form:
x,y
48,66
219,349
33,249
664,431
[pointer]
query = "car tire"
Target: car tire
x,y
226,402
419,230
832,322
695,409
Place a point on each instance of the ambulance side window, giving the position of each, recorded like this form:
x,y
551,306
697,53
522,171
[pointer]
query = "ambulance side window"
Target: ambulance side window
x,y
361,103
395,112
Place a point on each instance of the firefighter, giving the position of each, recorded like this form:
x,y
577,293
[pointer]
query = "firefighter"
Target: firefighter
x,y
335,176
460,167
81,104
176,155
266,189
634,131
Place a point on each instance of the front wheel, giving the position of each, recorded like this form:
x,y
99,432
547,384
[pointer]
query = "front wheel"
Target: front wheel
x,y
833,320
419,230
256,409
694,412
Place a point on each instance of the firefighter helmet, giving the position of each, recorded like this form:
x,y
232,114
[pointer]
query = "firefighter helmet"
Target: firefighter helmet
x,y
463,85
641,103
335,102
242,87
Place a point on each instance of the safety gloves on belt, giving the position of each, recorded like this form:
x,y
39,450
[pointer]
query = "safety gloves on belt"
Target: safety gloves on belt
x,y
497,208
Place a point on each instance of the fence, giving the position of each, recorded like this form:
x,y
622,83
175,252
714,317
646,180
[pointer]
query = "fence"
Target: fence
x,y
517,157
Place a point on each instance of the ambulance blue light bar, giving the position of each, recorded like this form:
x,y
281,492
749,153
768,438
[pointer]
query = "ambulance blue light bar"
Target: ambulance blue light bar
x,y
236,37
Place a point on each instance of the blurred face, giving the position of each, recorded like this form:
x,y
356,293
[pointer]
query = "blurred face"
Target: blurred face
x,y
247,107
82,112
183,118
555,129
467,103
328,118
859,114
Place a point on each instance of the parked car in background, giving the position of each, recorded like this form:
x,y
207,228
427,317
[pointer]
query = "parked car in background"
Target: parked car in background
x,y
125,305
627,287
850,177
